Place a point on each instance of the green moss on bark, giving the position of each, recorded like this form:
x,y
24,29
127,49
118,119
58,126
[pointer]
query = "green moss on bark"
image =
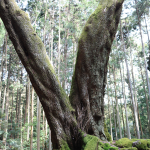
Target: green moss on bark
x,y
108,136
64,146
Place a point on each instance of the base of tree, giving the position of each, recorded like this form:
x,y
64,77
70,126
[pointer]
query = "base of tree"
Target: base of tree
x,y
93,143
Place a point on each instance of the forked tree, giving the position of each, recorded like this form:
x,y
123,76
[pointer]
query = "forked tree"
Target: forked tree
x,y
84,108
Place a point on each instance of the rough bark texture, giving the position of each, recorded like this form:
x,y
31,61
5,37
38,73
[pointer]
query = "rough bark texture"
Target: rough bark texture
x,y
88,84
90,71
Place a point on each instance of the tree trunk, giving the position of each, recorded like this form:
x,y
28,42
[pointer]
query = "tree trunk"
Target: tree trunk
x,y
21,127
147,103
27,100
123,93
1,68
5,80
19,93
87,92
147,33
59,45
109,111
43,129
134,90
28,108
115,120
143,50
50,147
131,91
7,101
38,122
117,107
32,113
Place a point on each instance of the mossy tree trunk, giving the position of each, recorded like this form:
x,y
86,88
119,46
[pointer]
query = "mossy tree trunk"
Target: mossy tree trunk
x,y
88,83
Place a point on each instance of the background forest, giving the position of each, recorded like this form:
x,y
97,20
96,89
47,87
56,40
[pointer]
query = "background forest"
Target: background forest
x,y
59,23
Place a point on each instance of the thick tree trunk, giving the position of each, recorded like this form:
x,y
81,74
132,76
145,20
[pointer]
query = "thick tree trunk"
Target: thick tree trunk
x,y
87,92
89,77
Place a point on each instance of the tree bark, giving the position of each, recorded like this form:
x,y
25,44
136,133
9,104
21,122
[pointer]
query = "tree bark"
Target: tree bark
x,y
7,101
38,122
116,98
32,115
123,93
131,91
146,98
143,50
87,95
28,96
89,79
109,111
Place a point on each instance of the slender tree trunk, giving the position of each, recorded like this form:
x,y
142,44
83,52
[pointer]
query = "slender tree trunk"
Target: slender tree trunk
x,y
38,122
32,113
147,103
59,46
135,93
65,60
46,134
21,127
131,91
5,81
28,108
27,101
123,118
50,146
1,68
115,120
120,99
7,102
143,50
117,108
19,93
52,37
147,33
12,106
123,93
43,129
